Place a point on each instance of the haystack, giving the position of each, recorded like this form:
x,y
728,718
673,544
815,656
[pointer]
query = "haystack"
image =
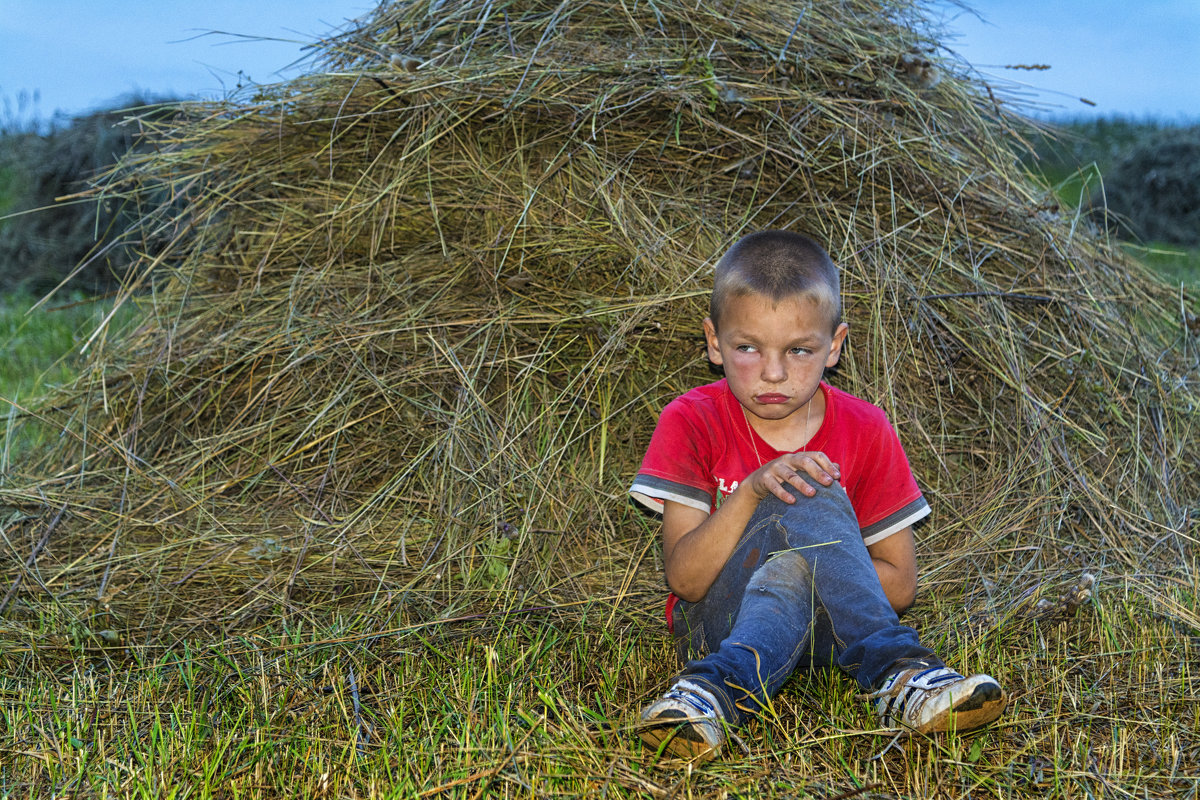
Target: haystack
x,y
419,309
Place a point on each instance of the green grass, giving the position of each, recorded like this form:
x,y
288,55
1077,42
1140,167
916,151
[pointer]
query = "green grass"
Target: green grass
x,y
1175,265
1075,188
541,704
41,349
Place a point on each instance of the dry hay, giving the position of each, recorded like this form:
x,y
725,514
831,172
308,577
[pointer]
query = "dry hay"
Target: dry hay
x,y
419,309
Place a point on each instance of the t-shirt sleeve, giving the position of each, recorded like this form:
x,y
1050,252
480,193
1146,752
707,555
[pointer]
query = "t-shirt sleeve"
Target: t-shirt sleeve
x,y
678,463
890,499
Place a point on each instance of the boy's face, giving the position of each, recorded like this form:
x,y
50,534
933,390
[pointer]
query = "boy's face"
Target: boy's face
x,y
774,354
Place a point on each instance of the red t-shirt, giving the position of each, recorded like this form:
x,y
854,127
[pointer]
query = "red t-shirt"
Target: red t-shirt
x,y
704,446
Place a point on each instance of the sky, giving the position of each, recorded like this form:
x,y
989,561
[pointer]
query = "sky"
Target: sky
x,y
79,55
1139,59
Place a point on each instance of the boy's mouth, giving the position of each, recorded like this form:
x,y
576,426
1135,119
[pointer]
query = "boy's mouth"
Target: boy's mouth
x,y
770,399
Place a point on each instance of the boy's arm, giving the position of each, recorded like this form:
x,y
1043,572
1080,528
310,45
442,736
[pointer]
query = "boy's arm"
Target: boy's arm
x,y
696,545
895,559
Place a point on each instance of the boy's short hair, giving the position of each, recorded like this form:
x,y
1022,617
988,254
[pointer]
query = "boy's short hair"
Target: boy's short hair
x,y
778,265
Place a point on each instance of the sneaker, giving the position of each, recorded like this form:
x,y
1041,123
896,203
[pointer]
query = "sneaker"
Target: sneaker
x,y
935,699
688,720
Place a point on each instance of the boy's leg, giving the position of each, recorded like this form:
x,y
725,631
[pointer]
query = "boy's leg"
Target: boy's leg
x,y
910,685
801,572
772,599
802,588
753,627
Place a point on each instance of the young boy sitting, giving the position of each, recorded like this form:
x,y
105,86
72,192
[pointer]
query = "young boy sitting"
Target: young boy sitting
x,y
787,510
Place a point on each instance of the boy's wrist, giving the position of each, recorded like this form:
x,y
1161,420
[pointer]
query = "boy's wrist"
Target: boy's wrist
x,y
748,491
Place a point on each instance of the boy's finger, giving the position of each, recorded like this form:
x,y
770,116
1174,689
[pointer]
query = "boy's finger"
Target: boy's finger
x,y
781,492
830,467
817,460
826,464
805,488
818,472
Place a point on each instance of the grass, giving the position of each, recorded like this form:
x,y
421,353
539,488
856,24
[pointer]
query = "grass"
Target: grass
x,y
41,350
1175,265
1075,188
1072,163
1104,704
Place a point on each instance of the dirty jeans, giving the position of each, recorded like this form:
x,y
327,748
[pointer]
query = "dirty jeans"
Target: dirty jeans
x,y
799,590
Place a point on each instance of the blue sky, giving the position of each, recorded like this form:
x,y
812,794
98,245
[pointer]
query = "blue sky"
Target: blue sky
x,y
80,54
1133,58
1139,58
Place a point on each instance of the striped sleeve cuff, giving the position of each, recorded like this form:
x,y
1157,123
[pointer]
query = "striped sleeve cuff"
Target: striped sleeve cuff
x,y
651,492
896,521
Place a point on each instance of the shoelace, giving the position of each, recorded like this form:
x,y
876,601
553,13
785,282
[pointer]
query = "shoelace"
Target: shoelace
x,y
694,700
925,681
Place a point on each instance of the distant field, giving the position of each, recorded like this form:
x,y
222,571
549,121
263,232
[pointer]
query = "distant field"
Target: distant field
x,y
1173,264
1085,143
1073,162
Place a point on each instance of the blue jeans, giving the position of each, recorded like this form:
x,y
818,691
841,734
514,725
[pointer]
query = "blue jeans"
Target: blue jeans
x,y
799,590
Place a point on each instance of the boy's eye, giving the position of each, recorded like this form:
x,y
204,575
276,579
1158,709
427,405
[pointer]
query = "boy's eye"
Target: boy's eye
x,y
745,348
800,351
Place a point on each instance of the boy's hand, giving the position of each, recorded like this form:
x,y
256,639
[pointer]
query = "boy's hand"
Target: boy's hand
x,y
782,477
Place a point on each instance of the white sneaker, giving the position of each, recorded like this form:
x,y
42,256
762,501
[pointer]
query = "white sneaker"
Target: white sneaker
x,y
935,699
688,720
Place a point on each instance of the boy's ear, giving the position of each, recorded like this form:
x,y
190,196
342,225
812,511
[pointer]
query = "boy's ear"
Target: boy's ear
x,y
835,349
710,338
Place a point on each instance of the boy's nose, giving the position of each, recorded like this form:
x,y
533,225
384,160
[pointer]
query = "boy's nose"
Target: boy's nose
x,y
773,370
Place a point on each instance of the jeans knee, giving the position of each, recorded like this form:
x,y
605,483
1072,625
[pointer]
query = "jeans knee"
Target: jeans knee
x,y
829,508
785,573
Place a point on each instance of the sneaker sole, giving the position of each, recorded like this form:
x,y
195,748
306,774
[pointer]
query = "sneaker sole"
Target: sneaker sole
x,y
678,743
982,706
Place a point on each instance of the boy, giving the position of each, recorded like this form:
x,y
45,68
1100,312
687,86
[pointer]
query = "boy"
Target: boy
x,y
787,512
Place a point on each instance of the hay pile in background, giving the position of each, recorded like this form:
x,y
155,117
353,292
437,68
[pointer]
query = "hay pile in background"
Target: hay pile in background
x,y
419,310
